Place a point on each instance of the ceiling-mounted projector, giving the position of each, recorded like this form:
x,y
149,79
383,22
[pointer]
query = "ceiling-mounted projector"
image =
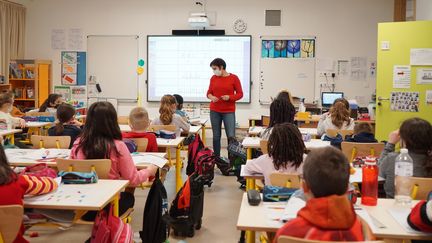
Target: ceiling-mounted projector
x,y
198,21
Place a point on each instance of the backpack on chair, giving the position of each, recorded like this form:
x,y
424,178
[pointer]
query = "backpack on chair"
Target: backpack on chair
x,y
194,147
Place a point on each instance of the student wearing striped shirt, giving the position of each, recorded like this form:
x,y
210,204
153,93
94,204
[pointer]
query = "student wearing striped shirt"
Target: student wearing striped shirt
x,y
13,187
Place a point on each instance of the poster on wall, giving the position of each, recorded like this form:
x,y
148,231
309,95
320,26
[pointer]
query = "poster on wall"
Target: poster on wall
x,y
358,70
295,48
69,62
64,91
405,101
424,76
429,97
401,77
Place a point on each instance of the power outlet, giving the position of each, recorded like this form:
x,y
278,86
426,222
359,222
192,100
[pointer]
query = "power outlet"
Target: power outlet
x,y
324,74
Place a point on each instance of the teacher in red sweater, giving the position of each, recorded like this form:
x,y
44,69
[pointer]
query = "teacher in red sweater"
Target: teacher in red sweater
x,y
224,90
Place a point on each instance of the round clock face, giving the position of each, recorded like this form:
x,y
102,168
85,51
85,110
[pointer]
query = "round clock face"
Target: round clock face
x,y
240,26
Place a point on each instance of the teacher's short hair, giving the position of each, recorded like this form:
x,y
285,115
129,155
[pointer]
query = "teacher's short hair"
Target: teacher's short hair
x,y
218,62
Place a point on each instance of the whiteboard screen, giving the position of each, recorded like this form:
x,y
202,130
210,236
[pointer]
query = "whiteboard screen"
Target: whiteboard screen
x,y
180,64
112,60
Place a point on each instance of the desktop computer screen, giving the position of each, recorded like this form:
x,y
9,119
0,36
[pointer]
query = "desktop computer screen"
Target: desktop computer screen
x,y
327,98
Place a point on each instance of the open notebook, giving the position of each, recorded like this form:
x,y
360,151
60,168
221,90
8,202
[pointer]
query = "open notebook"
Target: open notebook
x,y
159,161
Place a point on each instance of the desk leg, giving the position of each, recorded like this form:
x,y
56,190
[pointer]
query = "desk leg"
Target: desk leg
x,y
169,156
115,202
178,170
203,133
250,184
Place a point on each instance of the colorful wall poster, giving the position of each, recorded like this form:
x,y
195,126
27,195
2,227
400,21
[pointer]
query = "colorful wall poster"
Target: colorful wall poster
x,y
424,76
405,101
297,48
64,91
428,97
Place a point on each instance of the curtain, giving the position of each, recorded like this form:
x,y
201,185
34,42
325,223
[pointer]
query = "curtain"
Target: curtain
x,y
12,34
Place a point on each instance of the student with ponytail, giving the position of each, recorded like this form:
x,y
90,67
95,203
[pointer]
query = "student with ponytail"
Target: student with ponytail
x,y
66,124
286,151
338,117
281,111
168,116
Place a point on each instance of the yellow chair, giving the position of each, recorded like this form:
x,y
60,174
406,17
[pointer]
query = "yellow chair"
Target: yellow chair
x,y
264,146
123,120
154,128
420,187
100,166
352,150
285,180
265,121
141,143
11,219
58,142
334,132
289,239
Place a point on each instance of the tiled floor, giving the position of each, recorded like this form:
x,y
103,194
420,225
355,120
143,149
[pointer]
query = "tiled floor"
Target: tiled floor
x,y
221,207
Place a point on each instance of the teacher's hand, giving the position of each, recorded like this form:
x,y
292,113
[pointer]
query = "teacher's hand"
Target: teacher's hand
x,y
225,97
213,98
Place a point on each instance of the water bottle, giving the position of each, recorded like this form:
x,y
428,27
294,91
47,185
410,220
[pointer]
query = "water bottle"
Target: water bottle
x,y
403,171
369,190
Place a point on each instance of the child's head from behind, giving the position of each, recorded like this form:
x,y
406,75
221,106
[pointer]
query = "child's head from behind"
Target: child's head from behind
x,y
280,112
179,100
416,135
7,175
139,119
6,102
339,114
285,95
362,127
326,172
286,146
65,113
167,108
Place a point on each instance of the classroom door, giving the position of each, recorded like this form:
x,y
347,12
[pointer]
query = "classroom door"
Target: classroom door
x,y
401,37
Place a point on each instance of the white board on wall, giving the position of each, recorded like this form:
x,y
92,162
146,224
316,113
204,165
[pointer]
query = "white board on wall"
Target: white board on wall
x,y
296,75
113,59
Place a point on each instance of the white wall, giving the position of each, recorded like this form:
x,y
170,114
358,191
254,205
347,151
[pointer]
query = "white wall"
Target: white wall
x,y
344,28
423,10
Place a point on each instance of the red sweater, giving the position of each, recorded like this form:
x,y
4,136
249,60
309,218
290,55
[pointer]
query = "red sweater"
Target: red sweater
x,y
13,193
152,144
328,219
220,86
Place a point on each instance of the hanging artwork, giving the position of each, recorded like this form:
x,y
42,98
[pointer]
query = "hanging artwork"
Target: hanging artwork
x,y
280,48
308,48
405,101
267,49
293,48
296,48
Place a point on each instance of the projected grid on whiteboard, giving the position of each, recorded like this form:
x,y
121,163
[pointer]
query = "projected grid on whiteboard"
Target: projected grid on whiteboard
x,y
180,64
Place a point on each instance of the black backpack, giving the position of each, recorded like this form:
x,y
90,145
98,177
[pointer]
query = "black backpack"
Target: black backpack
x,y
155,229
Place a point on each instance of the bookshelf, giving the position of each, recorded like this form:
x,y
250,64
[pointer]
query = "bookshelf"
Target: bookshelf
x,y
30,80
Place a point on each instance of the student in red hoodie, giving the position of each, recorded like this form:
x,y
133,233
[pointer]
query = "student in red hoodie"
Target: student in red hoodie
x,y
139,122
328,214
13,187
420,217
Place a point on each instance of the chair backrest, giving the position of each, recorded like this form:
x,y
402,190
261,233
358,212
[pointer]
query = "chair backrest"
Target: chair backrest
x,y
101,166
334,132
58,142
289,239
420,187
37,113
141,144
11,219
263,146
285,180
265,121
124,120
352,150
154,128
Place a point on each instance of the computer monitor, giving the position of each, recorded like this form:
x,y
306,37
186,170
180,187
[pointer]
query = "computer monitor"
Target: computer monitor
x,y
327,98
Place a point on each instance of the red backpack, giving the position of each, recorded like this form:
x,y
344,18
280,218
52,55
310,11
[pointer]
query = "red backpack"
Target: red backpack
x,y
204,165
193,149
110,229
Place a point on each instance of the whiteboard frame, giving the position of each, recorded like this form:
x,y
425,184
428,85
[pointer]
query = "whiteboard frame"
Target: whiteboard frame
x,y
286,37
208,101
137,76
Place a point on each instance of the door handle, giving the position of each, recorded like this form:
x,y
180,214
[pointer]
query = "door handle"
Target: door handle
x,y
382,99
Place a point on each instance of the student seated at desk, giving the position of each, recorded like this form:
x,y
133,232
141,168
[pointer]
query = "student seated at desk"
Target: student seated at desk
x,y
66,125
286,151
15,112
337,118
420,217
362,134
414,134
280,112
50,104
102,139
139,122
168,116
179,110
13,187
328,215
8,122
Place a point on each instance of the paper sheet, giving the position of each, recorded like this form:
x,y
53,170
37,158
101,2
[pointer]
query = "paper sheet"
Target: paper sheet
x,y
292,208
75,37
401,77
58,39
405,101
25,155
400,215
274,212
424,76
149,159
358,68
428,97
421,56
342,66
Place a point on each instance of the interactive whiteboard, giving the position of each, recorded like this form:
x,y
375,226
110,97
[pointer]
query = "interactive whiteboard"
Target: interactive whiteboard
x,y
180,64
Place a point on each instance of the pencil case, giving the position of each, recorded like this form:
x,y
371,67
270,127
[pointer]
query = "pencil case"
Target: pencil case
x,y
72,177
30,118
277,193
46,119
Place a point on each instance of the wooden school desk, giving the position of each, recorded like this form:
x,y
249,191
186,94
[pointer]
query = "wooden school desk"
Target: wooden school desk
x,y
257,218
25,157
193,129
10,134
255,131
40,128
92,197
177,144
202,122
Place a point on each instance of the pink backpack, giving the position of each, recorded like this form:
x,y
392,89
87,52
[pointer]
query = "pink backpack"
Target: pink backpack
x,y
40,170
110,229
